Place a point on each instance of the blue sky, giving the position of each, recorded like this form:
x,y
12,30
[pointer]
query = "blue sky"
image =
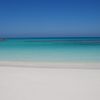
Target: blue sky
x,y
32,18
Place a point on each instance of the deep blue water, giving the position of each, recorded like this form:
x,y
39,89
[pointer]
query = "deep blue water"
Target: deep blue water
x,y
51,49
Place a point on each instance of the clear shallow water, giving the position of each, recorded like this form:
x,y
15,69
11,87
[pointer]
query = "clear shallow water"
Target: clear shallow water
x,y
50,49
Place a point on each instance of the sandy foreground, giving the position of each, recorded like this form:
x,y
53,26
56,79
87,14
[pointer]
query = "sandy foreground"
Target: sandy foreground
x,y
49,81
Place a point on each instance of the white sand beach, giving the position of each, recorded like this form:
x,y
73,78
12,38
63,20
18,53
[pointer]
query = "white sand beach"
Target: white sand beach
x,y
49,81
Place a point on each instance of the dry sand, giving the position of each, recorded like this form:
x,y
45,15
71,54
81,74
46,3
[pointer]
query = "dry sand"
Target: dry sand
x,y
46,81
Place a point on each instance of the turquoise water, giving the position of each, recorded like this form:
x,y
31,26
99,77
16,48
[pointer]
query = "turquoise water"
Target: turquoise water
x,y
51,49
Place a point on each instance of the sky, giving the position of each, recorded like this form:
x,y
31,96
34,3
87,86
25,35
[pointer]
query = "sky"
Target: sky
x,y
49,18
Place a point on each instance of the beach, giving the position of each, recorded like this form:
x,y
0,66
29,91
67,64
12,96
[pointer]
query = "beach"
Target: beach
x,y
32,82
49,49
50,69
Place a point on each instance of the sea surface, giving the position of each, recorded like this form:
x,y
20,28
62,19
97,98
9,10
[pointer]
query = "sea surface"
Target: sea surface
x,y
70,49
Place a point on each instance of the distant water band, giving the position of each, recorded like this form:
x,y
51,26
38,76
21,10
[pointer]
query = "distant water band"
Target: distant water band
x,y
77,49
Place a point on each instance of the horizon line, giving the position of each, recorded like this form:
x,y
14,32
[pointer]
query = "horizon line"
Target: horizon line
x,y
53,37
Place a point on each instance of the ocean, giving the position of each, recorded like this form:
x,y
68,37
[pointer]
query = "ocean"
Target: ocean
x,y
67,49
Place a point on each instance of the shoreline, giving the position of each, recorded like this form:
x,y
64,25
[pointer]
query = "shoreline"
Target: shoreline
x,y
67,65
